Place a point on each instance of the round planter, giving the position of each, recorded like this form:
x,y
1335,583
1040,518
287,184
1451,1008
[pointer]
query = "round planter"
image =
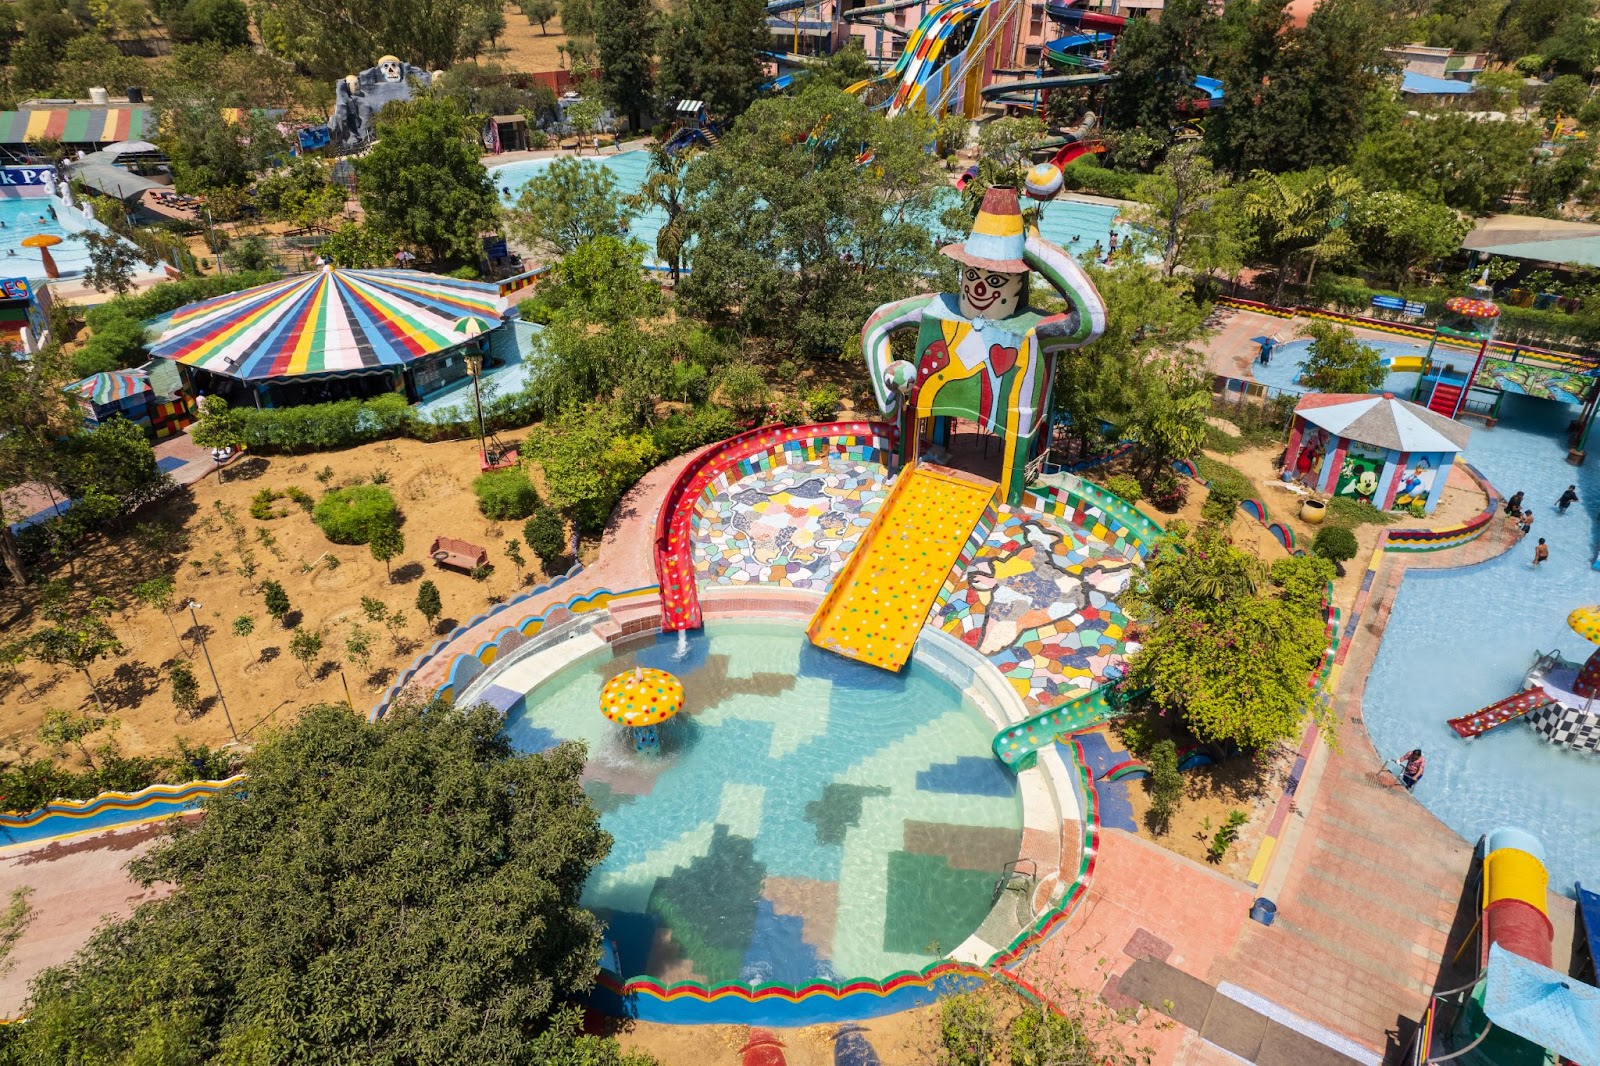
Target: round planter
x,y
1313,511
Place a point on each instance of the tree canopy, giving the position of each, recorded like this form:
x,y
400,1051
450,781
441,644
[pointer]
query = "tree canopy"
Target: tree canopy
x,y
333,40
711,50
1338,362
404,892
567,203
423,185
798,236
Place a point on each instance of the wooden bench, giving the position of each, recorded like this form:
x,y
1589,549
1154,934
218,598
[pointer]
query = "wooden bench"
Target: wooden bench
x,y
460,554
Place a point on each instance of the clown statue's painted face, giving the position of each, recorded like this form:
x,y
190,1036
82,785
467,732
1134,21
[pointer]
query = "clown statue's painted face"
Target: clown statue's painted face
x,y
389,67
991,294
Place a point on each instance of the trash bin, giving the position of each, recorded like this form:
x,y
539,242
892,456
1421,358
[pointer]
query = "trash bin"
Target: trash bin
x,y
1263,911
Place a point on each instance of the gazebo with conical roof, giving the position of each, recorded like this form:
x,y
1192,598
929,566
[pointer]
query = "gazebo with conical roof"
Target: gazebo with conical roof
x,y
331,334
1390,453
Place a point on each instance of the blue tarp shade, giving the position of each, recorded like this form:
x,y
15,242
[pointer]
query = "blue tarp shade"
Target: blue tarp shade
x,y
1422,85
1554,1011
1589,913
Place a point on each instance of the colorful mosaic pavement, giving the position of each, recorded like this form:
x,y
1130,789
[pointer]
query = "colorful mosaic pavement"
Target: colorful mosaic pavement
x,y
793,526
1039,601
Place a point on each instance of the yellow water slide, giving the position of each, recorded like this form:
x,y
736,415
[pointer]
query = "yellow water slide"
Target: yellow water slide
x,y
881,599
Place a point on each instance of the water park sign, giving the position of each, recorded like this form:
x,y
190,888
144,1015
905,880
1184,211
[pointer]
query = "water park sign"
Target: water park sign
x,y
1408,308
22,176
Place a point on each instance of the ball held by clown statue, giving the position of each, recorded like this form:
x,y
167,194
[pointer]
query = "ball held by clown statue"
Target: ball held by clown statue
x,y
984,354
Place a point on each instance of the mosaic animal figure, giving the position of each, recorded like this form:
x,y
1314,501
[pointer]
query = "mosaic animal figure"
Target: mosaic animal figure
x,y
984,354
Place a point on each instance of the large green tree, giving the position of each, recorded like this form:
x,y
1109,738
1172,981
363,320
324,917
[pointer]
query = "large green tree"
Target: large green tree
x,y
796,239
209,152
1396,232
567,203
399,892
1338,362
1446,156
36,414
1299,219
1156,62
711,50
1301,98
663,189
624,36
422,184
1192,214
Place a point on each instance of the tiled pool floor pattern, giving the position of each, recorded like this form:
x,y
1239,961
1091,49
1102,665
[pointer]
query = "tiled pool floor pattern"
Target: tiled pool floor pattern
x,y
808,817
1039,600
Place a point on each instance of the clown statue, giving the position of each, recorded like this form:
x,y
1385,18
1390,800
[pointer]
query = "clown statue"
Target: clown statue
x,y
984,354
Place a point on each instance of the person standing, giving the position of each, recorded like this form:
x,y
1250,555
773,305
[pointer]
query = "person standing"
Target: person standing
x,y
1568,498
1541,552
1412,766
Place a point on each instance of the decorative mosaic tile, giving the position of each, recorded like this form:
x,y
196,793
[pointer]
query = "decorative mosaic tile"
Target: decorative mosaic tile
x,y
792,526
1039,600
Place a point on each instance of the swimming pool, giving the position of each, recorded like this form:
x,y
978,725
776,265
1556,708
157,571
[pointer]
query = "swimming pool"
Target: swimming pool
x,y
1076,225
1289,359
809,817
1458,640
28,216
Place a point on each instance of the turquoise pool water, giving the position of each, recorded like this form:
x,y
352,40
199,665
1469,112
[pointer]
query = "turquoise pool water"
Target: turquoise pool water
x,y
809,817
1289,359
1073,224
1458,640
21,217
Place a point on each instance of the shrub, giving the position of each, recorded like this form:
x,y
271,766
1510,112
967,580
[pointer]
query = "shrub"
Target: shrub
x,y
350,516
1085,175
968,1032
1337,544
822,403
790,411
546,536
1222,502
590,460
1166,785
742,388
277,600
1125,487
301,497
1041,1037
1226,835
1343,511
261,507
505,494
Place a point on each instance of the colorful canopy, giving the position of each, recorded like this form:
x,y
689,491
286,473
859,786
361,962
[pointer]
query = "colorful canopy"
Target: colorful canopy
x,y
327,322
1554,1011
1585,621
110,386
1383,422
641,697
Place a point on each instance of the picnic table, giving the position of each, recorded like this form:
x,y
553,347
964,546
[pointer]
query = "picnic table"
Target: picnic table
x,y
457,553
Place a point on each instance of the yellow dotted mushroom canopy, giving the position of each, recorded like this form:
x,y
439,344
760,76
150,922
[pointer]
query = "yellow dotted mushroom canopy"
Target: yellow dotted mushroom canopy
x,y
1585,621
641,697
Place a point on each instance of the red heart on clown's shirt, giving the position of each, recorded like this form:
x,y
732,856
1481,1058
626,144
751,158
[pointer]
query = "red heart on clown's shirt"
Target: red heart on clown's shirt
x,y
1002,359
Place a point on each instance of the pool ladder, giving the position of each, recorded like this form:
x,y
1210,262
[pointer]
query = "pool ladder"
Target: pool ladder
x,y
1009,873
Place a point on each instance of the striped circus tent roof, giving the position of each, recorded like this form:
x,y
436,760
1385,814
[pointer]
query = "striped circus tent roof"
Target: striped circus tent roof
x,y
77,125
1383,422
328,321
110,386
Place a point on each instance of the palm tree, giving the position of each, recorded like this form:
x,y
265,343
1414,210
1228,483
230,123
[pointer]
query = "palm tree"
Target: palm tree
x,y
1300,218
663,188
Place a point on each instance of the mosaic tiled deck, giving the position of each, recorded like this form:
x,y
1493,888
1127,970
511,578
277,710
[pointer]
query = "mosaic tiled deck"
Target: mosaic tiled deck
x,y
808,816
791,526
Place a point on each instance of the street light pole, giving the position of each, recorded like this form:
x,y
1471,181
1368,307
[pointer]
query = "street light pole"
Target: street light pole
x,y
200,635
475,368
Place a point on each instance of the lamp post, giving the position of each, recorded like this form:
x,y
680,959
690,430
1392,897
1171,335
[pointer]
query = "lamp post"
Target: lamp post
x,y
475,368
200,635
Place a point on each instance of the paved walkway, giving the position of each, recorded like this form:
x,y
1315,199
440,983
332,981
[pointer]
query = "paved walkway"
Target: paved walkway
x,y
1231,352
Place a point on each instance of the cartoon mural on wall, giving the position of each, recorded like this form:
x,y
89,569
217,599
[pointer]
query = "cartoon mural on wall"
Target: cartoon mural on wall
x,y
982,353
1416,483
359,97
1358,475
1540,382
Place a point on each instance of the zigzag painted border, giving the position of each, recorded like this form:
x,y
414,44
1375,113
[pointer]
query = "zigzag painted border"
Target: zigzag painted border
x,y
63,817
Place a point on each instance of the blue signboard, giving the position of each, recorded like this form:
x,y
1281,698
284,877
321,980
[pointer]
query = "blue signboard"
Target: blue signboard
x,y
25,177
1389,303
15,288
495,247
1415,310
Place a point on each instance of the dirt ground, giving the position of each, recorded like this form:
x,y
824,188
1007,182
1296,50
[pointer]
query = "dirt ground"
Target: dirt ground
x,y
325,583
524,48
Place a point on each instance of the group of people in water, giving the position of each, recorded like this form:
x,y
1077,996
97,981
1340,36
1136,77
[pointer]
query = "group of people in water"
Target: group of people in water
x,y
11,253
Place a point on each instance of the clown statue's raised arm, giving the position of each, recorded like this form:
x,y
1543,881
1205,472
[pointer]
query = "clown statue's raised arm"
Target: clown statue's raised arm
x,y
984,354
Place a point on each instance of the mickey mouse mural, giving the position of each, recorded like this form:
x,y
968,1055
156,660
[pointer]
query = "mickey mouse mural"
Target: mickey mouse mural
x,y
983,354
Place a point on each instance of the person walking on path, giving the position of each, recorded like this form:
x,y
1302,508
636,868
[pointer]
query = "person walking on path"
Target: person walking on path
x,y
1514,505
1541,552
1568,498
1412,766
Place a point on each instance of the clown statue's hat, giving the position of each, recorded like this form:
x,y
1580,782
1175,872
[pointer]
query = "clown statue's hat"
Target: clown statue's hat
x,y
997,238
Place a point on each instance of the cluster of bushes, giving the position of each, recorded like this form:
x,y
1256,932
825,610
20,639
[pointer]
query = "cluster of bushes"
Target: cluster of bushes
x,y
354,515
505,494
31,783
346,423
1085,174
1525,324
